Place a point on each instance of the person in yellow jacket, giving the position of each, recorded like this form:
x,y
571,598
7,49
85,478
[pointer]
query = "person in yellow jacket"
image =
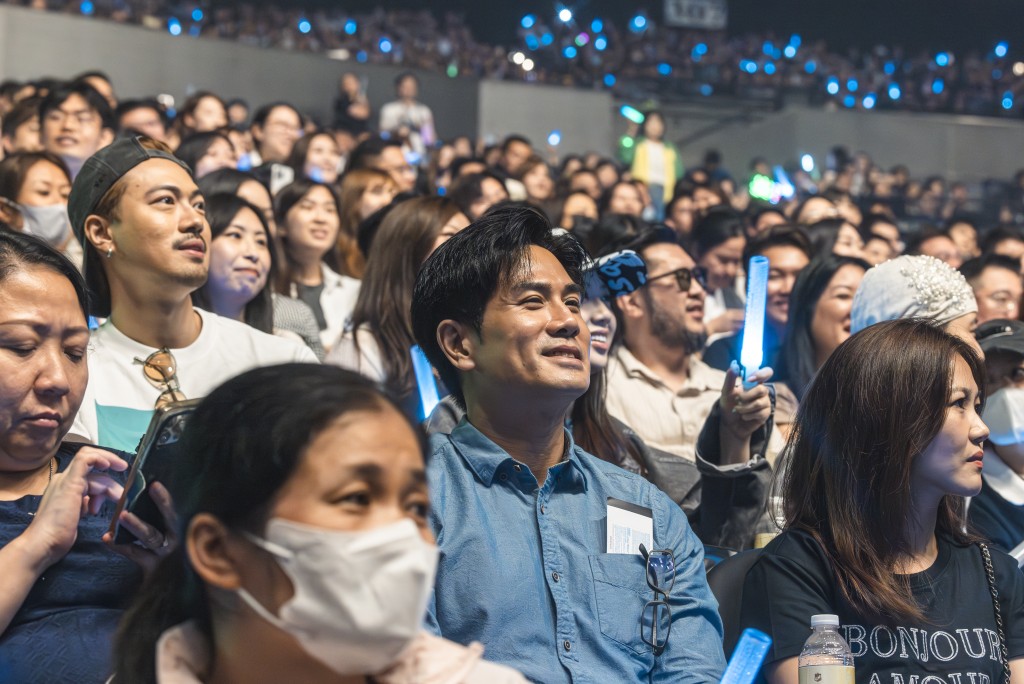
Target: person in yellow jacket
x,y
652,159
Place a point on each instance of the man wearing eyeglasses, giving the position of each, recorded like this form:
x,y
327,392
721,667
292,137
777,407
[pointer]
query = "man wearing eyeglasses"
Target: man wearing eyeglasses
x,y
658,385
564,566
75,122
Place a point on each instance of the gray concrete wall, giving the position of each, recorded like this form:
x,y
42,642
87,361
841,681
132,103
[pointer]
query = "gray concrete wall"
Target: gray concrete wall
x,y
584,117
146,62
957,147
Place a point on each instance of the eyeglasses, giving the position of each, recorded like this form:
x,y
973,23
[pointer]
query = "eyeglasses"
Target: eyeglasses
x,y
656,618
161,370
84,117
684,277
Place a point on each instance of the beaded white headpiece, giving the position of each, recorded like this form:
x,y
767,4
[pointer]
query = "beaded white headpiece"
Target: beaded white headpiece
x,y
911,287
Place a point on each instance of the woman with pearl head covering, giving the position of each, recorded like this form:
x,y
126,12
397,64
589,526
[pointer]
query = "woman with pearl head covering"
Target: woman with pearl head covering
x,y
917,287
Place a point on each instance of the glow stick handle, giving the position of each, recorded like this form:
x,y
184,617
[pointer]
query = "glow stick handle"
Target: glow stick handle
x,y
747,657
752,351
424,380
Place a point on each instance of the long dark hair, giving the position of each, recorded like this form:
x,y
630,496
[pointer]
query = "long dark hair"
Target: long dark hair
x,y
798,356
221,210
236,467
593,429
384,307
875,405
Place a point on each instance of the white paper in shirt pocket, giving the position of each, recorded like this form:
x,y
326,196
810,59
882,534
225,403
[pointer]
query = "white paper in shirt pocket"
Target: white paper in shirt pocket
x,y
620,587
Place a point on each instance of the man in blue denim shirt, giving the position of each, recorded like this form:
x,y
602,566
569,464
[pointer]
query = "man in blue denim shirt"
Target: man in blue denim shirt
x,y
519,511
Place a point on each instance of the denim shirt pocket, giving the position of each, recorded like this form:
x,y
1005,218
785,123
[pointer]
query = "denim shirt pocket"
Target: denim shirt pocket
x,y
621,590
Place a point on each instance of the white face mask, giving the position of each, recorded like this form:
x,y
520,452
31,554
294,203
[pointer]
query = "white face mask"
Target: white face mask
x,y
360,597
49,223
1004,415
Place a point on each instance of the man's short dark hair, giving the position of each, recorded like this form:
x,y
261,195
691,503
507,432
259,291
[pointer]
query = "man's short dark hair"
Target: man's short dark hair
x,y
404,75
60,94
782,235
260,117
514,138
144,103
993,237
458,280
868,223
973,268
367,153
924,234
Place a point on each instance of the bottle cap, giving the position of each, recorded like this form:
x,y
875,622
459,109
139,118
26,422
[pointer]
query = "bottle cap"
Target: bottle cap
x,y
818,620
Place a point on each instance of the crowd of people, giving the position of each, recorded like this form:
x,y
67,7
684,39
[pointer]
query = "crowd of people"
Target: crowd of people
x,y
639,59
470,414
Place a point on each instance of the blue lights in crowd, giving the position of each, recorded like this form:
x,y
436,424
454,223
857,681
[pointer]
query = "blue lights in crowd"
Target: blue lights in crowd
x,y
769,68
1007,100
852,85
938,85
528,21
351,27
942,59
565,15
1002,48
569,52
664,68
305,26
197,14
811,66
638,23
597,26
385,45
174,27
609,80
600,43
833,86
789,52
869,101
87,7
849,101
706,90
894,92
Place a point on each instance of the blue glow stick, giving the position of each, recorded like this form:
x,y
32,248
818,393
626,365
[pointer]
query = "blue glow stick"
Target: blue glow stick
x,y
424,380
752,351
747,657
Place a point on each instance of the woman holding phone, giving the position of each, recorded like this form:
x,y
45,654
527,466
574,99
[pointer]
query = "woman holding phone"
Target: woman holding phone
x,y
306,554
62,589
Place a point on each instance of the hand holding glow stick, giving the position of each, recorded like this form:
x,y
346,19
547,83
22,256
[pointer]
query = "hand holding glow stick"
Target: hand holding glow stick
x,y
752,351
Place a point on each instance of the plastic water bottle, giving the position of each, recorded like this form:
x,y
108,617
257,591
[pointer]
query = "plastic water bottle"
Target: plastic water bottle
x,y
826,658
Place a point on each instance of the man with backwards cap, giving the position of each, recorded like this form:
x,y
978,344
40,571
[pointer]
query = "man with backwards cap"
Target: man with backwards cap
x,y
141,219
997,513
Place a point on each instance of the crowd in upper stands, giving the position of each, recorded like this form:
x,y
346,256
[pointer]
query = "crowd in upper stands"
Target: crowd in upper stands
x,y
637,60
570,333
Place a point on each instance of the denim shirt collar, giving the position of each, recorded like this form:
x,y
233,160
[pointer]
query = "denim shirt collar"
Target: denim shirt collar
x,y
486,459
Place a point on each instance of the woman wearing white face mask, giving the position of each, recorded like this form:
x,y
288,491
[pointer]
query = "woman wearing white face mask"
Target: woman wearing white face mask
x,y
306,555
34,188
998,511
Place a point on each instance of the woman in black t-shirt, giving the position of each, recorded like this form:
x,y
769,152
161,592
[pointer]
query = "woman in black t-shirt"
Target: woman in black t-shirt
x,y
887,442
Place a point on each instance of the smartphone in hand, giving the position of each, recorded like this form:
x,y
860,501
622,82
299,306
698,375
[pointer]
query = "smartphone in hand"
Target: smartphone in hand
x,y
155,461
